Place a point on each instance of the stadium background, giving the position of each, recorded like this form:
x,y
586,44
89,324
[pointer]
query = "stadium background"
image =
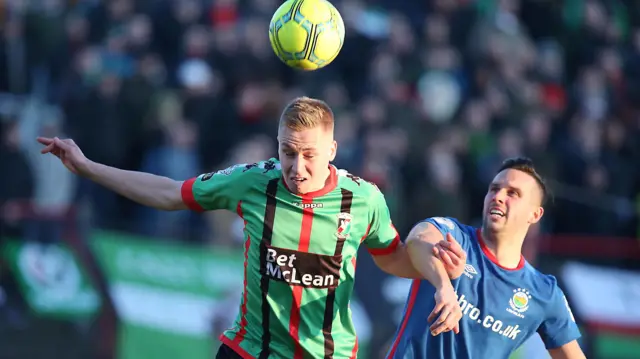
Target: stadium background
x,y
429,97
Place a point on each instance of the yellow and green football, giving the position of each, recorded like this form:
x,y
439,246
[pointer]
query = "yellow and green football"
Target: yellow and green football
x,y
306,34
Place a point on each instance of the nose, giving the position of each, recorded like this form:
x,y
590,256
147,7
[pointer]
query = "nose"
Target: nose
x,y
499,196
298,165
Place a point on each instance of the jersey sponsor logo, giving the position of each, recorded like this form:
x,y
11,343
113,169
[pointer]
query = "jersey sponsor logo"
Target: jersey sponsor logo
x,y
487,321
308,205
308,270
469,271
344,225
519,302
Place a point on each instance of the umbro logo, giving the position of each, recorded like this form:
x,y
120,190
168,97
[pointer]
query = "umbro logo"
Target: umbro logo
x,y
470,271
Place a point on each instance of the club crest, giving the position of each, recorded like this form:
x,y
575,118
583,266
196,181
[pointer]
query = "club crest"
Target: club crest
x,y
344,225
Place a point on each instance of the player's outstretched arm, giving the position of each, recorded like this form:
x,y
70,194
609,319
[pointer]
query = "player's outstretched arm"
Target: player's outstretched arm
x,y
570,350
147,189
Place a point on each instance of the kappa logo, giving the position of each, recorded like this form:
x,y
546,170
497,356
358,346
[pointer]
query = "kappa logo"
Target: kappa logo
x,y
344,225
519,302
308,205
469,271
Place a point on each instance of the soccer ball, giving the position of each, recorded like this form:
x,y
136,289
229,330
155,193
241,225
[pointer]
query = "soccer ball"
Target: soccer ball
x,y
306,34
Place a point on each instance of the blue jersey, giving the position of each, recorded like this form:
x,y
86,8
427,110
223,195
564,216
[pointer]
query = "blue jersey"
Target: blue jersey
x,y
501,307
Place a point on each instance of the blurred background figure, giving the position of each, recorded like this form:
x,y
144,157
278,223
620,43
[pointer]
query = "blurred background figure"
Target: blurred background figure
x,y
429,97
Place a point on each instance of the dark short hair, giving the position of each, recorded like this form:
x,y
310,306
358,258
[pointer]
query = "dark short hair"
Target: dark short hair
x,y
525,164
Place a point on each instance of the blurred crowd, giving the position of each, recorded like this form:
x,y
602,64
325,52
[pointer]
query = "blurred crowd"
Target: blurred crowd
x,y
429,98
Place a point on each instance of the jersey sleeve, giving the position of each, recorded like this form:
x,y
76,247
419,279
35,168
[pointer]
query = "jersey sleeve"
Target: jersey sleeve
x,y
559,326
216,190
449,225
382,237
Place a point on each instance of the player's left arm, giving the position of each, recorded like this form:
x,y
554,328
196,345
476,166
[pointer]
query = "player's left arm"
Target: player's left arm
x,y
570,350
559,330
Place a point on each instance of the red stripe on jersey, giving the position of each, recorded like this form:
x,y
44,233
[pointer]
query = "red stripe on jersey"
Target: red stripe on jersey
x,y
303,246
384,251
235,347
243,309
187,195
366,233
354,352
412,301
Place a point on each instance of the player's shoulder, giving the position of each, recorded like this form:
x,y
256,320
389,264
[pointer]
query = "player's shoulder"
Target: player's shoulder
x,y
257,171
450,224
359,186
546,285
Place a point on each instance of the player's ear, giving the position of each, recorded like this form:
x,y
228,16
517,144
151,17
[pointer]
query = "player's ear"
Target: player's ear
x,y
536,215
333,150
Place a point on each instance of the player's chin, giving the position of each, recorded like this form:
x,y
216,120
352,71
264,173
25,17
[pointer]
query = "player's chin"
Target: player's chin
x,y
296,187
491,222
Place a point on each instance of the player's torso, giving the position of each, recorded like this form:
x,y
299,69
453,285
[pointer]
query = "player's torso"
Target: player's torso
x,y
301,259
316,236
499,310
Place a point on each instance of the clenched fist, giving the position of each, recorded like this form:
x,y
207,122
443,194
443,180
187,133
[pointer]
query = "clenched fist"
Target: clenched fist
x,y
68,152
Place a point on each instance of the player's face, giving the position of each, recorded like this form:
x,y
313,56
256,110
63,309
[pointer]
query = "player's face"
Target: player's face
x,y
513,201
305,156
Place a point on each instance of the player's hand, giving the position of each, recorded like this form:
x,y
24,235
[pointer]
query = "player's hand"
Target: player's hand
x,y
447,311
67,151
452,256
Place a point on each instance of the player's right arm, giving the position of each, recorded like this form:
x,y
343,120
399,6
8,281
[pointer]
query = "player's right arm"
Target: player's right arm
x,y
147,189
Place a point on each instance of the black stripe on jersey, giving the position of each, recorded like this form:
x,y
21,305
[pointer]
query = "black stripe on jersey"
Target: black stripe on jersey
x,y
345,207
267,233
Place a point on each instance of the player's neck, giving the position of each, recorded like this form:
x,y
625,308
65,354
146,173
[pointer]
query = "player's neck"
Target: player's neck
x,y
328,182
504,248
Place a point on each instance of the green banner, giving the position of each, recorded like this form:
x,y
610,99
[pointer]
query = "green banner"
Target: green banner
x,y
51,279
175,299
169,297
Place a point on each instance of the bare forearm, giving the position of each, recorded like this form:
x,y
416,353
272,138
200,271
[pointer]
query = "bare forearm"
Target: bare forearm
x,y
145,188
426,264
397,264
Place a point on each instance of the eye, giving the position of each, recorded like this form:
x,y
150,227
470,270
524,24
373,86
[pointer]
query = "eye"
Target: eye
x,y
513,193
289,154
309,156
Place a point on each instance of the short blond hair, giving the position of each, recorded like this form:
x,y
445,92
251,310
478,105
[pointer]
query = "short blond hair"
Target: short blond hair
x,y
304,113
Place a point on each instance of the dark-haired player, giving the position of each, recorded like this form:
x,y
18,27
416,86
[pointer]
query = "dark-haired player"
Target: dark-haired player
x,y
304,222
503,299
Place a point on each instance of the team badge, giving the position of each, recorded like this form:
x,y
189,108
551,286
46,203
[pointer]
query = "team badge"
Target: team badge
x,y
519,302
344,225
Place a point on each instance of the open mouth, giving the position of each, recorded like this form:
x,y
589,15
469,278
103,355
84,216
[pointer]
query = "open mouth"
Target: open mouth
x,y
298,180
496,213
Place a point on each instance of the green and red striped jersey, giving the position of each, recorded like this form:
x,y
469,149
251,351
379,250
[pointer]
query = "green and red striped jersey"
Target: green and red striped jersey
x,y
299,256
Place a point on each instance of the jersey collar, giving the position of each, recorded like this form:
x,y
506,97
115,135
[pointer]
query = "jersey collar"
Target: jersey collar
x,y
493,258
330,185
